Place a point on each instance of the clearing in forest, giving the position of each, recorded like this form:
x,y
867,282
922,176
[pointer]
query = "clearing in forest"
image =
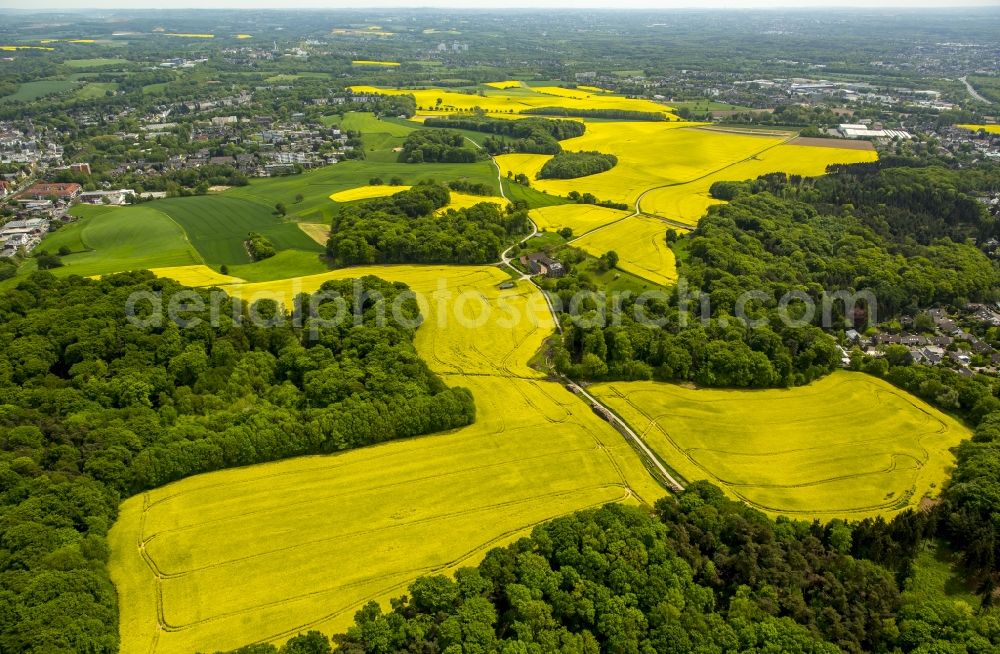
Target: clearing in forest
x,y
466,200
641,245
849,445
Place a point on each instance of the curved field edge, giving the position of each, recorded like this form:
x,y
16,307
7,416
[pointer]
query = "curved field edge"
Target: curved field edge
x,y
847,446
230,557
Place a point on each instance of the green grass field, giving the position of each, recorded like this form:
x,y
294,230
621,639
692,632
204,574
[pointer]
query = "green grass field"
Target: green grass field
x,y
29,91
849,445
110,239
379,136
217,226
937,575
316,186
92,90
533,197
287,263
98,62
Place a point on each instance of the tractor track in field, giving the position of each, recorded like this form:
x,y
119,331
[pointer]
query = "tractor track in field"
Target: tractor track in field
x,y
409,574
671,221
437,569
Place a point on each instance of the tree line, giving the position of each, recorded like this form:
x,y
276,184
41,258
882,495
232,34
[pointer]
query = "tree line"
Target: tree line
x,y
529,135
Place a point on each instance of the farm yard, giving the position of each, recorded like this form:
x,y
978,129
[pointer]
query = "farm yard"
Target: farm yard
x,y
849,445
377,516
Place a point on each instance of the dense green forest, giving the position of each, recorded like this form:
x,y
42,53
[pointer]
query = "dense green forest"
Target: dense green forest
x,y
570,165
403,228
699,574
437,146
94,408
901,200
809,241
530,135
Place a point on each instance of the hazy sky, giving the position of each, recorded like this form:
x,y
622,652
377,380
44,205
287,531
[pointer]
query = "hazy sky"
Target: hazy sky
x,y
480,4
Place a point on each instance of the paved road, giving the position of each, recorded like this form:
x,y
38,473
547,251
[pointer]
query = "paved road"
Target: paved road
x,y
973,91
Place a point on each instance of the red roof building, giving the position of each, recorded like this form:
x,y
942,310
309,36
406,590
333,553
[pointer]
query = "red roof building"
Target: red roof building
x,y
42,191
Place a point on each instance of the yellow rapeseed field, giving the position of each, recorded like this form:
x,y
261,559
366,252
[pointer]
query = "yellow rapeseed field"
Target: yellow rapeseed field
x,y
261,553
649,154
318,232
850,445
689,202
196,275
466,200
508,84
992,129
365,62
641,246
367,193
508,100
581,218
458,200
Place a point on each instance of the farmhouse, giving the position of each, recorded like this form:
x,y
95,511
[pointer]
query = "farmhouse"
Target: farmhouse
x,y
42,190
540,264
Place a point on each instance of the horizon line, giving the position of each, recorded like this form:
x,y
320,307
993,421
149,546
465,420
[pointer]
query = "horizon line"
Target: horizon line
x,y
550,5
